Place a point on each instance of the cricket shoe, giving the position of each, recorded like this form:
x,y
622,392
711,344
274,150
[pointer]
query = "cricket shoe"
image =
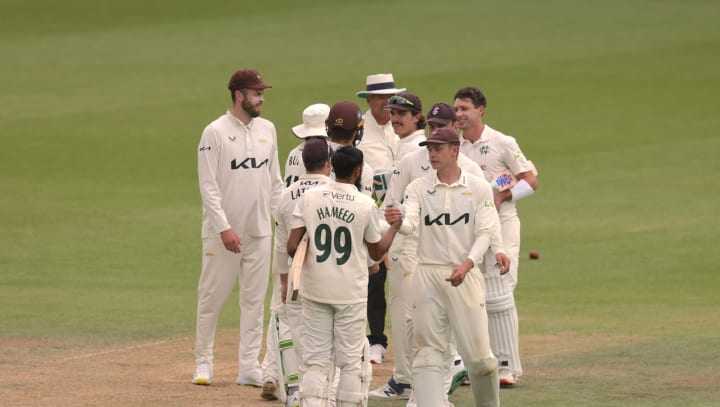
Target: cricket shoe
x,y
203,373
507,379
456,376
391,390
269,389
293,398
250,377
377,354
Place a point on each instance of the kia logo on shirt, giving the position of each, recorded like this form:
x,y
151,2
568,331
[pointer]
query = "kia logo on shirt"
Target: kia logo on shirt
x,y
248,163
444,219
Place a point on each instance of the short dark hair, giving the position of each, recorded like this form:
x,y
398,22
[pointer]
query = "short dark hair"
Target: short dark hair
x,y
339,133
345,160
242,90
474,94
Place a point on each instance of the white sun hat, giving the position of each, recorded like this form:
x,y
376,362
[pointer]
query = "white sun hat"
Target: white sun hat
x,y
313,124
379,84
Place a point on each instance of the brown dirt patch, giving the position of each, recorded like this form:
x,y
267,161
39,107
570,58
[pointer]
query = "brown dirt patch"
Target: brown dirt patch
x,y
159,373
152,374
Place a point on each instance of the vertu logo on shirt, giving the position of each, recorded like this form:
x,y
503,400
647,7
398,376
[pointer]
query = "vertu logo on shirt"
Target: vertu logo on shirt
x,y
248,163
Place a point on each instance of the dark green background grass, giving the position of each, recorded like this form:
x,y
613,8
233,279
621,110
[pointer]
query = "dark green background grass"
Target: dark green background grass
x,y
102,105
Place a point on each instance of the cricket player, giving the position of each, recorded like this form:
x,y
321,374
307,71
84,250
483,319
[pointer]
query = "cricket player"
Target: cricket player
x,y
402,265
496,152
453,210
312,130
239,174
342,225
379,146
313,125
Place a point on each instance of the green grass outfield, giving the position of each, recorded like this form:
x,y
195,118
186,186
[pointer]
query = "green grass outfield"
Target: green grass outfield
x,y
102,105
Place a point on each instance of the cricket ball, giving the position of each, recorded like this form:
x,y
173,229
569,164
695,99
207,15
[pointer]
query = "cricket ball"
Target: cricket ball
x,y
534,255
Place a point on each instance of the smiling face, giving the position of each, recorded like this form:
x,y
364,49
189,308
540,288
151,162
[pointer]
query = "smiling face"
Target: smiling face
x,y
468,116
403,122
377,107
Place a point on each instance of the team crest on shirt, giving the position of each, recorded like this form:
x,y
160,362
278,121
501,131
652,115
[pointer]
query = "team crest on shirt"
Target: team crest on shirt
x,y
489,204
467,193
263,140
517,155
484,149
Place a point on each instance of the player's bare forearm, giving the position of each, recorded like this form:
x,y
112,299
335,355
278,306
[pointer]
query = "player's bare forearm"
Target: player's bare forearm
x,y
379,249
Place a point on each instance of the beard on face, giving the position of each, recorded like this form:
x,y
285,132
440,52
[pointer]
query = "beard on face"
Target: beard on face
x,y
249,108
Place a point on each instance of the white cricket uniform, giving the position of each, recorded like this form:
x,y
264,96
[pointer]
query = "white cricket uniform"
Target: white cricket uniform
x,y
459,218
403,260
294,166
379,143
239,176
409,144
338,219
291,312
496,152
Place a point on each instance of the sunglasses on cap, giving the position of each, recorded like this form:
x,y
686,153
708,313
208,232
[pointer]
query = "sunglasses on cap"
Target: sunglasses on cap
x,y
399,100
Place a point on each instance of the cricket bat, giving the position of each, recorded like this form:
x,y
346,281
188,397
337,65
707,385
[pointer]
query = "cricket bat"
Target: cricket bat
x,y
297,264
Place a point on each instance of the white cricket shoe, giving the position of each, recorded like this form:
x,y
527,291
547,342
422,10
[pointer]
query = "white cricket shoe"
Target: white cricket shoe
x,y
250,377
293,399
203,373
507,379
391,390
377,354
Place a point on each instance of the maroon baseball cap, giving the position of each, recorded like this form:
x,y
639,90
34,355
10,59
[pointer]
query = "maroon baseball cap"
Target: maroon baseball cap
x,y
443,135
345,114
247,79
316,150
441,113
405,101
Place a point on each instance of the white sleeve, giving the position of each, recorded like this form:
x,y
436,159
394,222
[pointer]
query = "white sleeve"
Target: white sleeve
x,y
208,158
412,209
297,220
275,179
372,232
487,224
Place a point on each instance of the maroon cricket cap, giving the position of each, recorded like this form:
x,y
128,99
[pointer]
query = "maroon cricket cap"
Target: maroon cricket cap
x,y
405,101
443,135
441,113
247,79
346,115
316,150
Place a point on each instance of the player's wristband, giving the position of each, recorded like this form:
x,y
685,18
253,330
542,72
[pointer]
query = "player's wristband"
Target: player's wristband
x,y
521,190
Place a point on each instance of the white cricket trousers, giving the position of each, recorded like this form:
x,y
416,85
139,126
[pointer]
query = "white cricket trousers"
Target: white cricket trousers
x,y
438,309
402,267
333,333
220,270
500,293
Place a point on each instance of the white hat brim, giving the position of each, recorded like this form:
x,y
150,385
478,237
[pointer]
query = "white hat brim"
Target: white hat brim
x,y
392,91
302,131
